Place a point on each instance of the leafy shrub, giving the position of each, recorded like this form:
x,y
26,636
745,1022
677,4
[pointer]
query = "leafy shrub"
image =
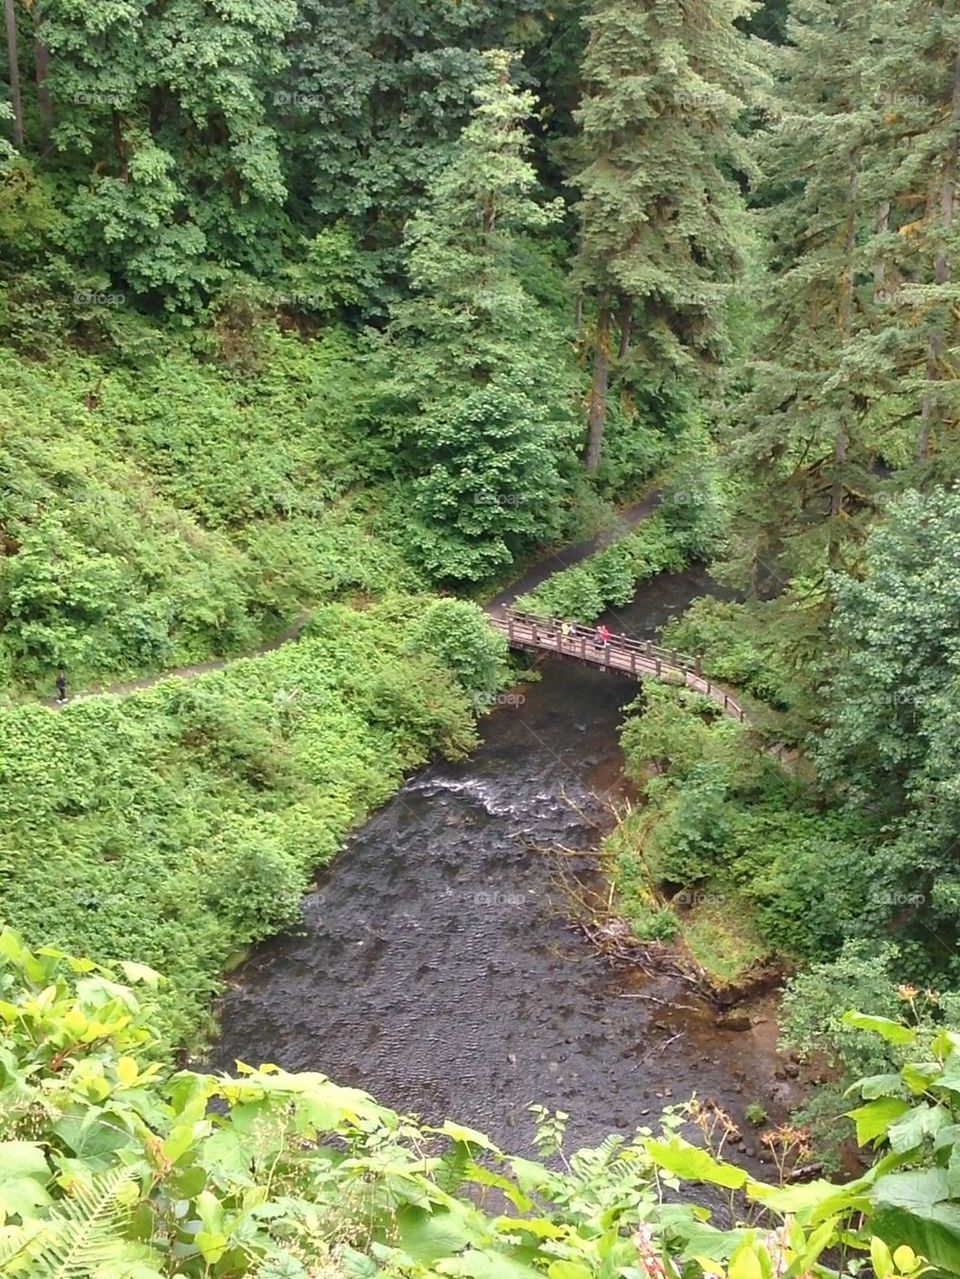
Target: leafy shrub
x,y
608,578
181,823
115,1164
459,636
735,647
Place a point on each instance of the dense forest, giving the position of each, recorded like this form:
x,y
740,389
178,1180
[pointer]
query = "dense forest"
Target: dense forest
x,y
320,322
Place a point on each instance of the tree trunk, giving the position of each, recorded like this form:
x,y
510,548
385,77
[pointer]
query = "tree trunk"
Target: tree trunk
x,y
13,60
880,266
625,321
597,416
941,272
44,102
842,438
578,315
119,146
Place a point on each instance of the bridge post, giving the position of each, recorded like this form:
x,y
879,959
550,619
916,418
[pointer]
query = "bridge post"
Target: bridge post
x,y
583,648
698,663
510,628
533,628
633,661
659,672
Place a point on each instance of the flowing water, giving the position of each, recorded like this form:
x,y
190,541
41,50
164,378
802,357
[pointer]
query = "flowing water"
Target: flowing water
x,y
437,969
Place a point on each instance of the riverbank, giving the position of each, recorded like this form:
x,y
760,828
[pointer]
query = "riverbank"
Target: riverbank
x,y
436,964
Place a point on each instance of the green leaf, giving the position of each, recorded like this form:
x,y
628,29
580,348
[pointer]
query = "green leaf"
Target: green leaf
x,y
24,1176
427,1236
878,1086
485,1265
875,1118
693,1164
894,1032
917,1190
934,1234
880,1258
911,1130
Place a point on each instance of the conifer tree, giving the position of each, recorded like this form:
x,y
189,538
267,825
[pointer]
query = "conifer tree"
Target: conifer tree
x,y
475,388
802,445
661,212
913,80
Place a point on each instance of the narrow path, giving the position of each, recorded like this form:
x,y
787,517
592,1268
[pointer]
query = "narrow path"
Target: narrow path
x,y
550,563
181,672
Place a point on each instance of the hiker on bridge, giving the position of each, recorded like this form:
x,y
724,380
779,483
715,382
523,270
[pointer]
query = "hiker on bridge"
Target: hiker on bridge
x,y
602,637
566,630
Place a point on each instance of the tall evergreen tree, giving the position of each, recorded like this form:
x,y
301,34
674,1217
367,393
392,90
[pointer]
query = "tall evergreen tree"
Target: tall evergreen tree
x,y
661,210
913,81
855,358
800,442
476,391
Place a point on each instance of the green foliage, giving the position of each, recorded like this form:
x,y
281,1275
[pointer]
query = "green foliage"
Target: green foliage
x,y
182,823
112,1164
755,1114
720,811
139,533
459,636
736,646
474,377
609,577
893,703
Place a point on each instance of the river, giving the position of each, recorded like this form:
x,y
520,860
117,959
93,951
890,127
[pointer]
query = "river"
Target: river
x,y
436,967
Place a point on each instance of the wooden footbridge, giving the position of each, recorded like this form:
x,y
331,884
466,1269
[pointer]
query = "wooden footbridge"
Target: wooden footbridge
x,y
622,653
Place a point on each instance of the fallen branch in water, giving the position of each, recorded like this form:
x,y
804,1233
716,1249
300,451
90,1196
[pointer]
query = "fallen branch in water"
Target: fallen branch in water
x,y
664,1003
660,1048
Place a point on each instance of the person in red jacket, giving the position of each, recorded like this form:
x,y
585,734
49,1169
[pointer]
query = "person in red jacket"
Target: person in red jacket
x,y
603,637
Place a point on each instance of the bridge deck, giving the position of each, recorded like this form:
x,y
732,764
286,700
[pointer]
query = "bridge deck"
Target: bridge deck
x,y
623,654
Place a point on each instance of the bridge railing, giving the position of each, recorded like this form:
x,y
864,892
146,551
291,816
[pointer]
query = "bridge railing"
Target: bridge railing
x,y
637,657
548,626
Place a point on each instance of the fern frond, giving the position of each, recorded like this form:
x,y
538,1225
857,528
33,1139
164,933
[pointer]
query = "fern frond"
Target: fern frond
x,y
84,1232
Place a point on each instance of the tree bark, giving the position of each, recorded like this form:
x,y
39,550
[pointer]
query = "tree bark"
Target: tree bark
x,y
880,266
625,320
842,437
597,416
941,271
13,60
44,101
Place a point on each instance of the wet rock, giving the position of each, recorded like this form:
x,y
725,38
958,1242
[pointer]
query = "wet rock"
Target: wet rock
x,y
792,1069
734,1019
512,1058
